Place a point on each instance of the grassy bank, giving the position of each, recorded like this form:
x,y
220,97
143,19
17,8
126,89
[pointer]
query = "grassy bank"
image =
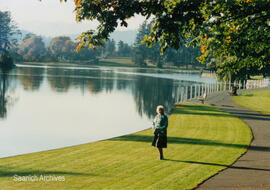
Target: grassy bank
x,y
202,141
117,61
256,100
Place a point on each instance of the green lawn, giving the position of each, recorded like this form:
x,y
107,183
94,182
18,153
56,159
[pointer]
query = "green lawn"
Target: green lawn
x,y
202,141
256,100
118,61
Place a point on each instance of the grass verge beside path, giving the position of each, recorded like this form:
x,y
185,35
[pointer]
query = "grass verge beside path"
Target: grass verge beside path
x,y
255,100
202,140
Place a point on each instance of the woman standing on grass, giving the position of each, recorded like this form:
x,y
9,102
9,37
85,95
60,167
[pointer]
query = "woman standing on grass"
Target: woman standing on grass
x,y
160,125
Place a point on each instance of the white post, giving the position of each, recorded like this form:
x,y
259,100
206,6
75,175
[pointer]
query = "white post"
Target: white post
x,y
239,84
186,93
191,92
182,89
199,90
195,93
177,94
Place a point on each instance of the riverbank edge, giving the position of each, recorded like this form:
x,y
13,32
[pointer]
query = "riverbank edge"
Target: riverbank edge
x,y
107,65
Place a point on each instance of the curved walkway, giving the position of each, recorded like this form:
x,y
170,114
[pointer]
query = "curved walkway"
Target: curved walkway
x,y
252,170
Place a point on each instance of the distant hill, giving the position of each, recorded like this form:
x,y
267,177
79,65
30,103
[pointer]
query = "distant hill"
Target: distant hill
x,y
46,39
126,36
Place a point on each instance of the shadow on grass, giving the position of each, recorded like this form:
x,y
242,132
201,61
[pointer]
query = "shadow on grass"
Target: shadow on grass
x,y
247,114
215,164
201,110
191,141
8,172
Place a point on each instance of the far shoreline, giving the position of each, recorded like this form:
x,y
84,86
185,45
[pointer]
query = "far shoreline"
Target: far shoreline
x,y
106,64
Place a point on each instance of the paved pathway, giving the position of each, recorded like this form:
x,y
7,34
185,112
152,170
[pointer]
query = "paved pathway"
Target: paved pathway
x,y
252,170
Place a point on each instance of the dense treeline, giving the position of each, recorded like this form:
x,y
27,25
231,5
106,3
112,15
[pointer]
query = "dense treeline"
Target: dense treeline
x,y
184,56
63,49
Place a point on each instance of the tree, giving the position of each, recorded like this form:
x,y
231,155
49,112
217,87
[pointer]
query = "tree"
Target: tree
x,y
109,48
62,48
182,56
8,32
140,50
32,48
124,50
236,31
236,34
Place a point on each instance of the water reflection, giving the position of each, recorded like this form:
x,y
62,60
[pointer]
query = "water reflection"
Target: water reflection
x,y
147,91
7,99
30,78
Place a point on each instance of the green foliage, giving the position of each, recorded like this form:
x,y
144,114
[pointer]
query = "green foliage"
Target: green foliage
x,y
237,34
140,51
183,56
8,31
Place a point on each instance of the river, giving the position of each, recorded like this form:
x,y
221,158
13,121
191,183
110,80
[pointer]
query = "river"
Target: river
x,y
49,107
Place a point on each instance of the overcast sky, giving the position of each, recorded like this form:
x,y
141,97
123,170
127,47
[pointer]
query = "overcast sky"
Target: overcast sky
x,y
51,18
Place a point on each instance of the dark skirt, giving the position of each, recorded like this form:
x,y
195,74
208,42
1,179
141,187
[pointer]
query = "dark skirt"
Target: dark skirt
x,y
160,141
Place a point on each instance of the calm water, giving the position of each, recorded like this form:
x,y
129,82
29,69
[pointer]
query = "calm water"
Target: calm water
x,y
45,107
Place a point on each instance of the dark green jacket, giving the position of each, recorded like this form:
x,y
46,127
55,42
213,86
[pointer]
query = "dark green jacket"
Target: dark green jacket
x,y
160,124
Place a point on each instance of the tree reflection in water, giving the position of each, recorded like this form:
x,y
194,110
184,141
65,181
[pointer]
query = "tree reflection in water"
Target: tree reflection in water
x,y
7,98
147,92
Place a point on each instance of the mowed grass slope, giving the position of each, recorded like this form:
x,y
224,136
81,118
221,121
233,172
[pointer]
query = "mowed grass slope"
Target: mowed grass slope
x,y
256,100
202,140
123,61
